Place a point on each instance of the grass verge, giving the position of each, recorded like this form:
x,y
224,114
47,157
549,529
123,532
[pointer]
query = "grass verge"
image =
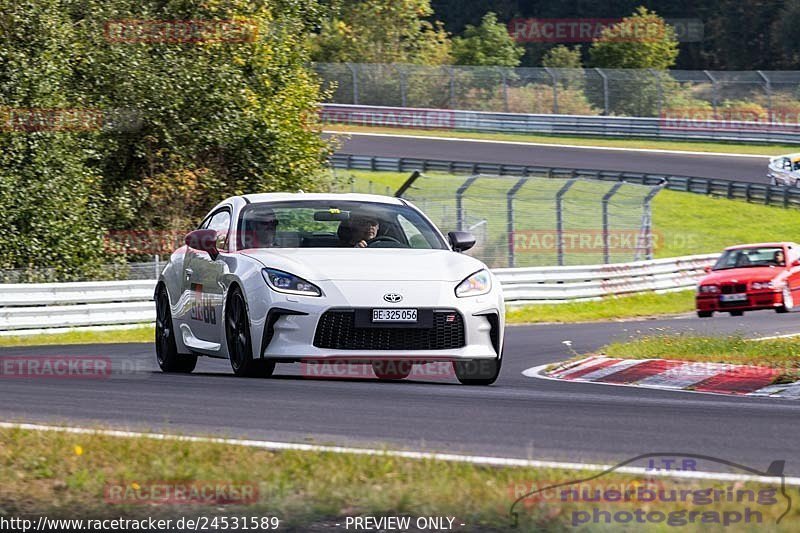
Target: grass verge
x,y
143,333
633,306
72,476
774,353
642,143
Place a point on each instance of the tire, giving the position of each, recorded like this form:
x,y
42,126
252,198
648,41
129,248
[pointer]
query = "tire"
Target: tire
x,y
788,302
477,372
387,370
237,336
705,314
167,356
737,313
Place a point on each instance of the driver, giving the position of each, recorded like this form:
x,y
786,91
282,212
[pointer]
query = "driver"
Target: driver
x,y
362,227
260,231
778,258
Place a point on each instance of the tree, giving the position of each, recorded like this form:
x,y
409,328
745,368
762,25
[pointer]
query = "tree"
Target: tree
x,y
488,44
562,57
642,40
381,31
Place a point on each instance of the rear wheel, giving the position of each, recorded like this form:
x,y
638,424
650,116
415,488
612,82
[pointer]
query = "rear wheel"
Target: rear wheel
x,y
705,314
478,371
788,301
392,369
169,360
737,313
237,335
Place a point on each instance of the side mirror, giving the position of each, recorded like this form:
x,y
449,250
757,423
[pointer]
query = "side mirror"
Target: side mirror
x,y
461,241
796,262
707,269
204,240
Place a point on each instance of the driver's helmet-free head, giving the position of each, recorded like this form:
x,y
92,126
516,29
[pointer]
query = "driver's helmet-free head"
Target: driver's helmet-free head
x,y
259,231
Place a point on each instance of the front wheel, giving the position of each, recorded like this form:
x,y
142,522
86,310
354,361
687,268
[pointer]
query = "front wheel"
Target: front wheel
x,y
705,314
788,301
477,371
169,360
737,313
237,335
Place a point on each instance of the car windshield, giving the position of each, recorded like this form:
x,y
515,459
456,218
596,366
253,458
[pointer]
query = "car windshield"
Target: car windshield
x,y
334,224
751,257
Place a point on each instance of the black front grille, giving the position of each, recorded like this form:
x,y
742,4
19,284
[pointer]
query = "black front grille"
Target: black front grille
x,y
337,330
733,288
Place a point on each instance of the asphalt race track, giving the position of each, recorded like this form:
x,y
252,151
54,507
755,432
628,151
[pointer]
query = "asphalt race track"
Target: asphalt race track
x,y
517,417
752,169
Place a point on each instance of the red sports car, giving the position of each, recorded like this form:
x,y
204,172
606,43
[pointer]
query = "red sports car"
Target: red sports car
x,y
749,277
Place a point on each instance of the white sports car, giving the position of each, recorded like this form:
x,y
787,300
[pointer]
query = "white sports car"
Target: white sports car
x,y
282,278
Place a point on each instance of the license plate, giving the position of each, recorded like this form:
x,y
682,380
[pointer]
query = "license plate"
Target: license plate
x,y
394,315
733,298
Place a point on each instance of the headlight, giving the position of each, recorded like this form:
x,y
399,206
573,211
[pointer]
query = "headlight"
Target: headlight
x,y
478,283
763,285
708,289
289,283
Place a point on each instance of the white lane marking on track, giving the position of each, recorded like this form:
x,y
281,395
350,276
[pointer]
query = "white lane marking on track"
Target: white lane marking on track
x,y
785,336
548,145
578,365
449,457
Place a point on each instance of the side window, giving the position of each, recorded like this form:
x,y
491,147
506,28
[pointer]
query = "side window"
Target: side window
x,y
220,222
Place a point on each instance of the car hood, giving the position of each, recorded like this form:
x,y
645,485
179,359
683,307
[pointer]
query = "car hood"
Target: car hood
x,y
743,275
376,264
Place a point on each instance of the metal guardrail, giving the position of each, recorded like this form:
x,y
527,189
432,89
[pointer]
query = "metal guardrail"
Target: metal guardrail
x,y
774,195
606,126
58,305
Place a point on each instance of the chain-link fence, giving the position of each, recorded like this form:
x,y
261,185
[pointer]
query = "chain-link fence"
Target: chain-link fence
x,y
759,96
535,221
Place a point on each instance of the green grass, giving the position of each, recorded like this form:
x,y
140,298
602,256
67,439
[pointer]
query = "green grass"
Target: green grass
x,y
143,333
644,143
612,308
66,475
774,353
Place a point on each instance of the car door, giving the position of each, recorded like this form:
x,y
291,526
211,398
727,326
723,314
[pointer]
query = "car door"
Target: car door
x,y
203,276
792,255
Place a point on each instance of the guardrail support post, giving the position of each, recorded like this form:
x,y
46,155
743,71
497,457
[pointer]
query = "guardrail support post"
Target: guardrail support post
x,y
403,88
560,219
459,201
505,90
606,198
714,92
768,90
510,211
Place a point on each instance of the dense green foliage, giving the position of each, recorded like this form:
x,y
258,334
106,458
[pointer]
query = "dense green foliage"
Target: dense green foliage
x,y
640,41
487,44
380,31
180,122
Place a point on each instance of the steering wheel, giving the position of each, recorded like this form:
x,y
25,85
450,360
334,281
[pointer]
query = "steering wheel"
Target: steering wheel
x,y
384,238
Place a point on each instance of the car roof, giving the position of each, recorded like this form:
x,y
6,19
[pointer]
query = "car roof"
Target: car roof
x,y
300,196
761,244
794,157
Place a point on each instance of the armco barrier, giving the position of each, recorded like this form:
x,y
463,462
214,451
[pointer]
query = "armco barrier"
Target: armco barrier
x,y
605,126
58,305
773,195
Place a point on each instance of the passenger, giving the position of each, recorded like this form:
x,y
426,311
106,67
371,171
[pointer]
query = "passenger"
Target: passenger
x,y
779,259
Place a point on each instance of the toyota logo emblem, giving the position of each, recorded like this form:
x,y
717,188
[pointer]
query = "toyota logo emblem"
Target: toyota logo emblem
x,y
392,297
